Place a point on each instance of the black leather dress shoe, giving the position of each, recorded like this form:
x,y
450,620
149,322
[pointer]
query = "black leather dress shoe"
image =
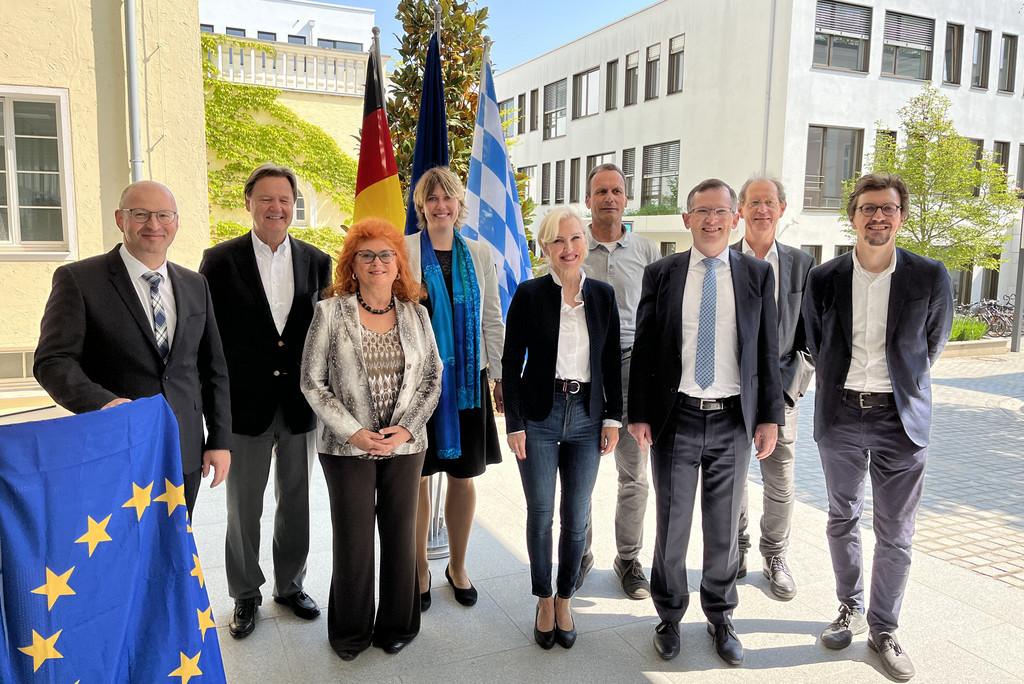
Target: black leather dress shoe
x,y
395,646
666,639
243,621
348,655
565,637
301,603
466,597
545,640
425,599
727,644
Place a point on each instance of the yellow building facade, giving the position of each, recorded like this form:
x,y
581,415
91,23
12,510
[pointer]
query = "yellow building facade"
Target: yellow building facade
x,y
64,144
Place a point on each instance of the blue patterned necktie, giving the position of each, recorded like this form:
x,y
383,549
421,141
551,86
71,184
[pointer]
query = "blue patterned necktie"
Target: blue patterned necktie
x,y
704,370
159,315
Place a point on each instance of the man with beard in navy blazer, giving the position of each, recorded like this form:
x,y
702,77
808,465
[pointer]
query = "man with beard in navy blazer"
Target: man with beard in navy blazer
x,y
704,382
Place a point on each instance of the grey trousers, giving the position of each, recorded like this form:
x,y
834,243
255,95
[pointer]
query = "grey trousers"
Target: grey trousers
x,y
631,504
777,473
250,471
710,449
861,442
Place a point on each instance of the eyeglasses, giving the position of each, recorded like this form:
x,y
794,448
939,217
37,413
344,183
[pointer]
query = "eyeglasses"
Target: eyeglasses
x,y
704,213
367,256
164,216
869,210
767,204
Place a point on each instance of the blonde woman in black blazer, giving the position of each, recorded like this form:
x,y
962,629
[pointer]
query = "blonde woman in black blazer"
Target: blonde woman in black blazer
x,y
562,409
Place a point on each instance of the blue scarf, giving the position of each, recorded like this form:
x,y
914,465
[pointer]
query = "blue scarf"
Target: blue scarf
x,y
458,339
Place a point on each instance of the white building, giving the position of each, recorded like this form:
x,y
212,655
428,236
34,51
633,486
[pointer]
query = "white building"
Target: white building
x,y
799,89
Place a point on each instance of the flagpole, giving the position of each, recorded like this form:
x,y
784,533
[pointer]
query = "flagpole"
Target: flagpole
x,y
437,22
375,48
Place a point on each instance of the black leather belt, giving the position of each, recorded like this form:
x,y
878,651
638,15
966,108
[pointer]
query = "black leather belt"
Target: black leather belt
x,y
868,400
571,386
709,404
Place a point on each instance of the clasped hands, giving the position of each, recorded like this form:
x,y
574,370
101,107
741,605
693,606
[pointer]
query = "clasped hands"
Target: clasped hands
x,y
380,443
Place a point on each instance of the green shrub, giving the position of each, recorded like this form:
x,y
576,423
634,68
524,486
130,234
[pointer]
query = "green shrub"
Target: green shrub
x,y
967,328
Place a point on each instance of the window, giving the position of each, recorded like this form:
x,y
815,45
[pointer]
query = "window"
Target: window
x,y
979,61
34,188
236,32
962,285
206,28
585,93
979,152
560,181
1001,155
596,159
534,108
842,35
574,180
531,177
843,249
629,169
331,44
266,35
521,115
990,282
632,78
554,110
611,85
675,65
833,156
660,184
652,71
506,113
1008,63
1020,167
885,137
299,212
814,251
296,40
954,54
909,42
668,248
545,183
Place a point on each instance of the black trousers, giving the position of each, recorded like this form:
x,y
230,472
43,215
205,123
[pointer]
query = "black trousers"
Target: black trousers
x,y
364,492
192,482
712,448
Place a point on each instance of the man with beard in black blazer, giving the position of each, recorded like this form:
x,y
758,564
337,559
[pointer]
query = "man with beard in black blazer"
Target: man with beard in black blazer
x,y
264,286
704,383
129,324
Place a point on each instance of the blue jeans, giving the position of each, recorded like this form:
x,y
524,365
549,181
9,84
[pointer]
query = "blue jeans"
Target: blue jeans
x,y
566,443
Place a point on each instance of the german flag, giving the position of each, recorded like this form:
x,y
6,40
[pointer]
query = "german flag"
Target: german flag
x,y
378,192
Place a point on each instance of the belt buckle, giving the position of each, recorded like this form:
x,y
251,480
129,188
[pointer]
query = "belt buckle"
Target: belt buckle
x,y
710,404
569,384
860,400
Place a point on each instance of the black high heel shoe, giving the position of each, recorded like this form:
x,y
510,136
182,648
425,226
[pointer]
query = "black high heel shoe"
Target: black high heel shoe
x,y
425,599
466,597
545,640
565,637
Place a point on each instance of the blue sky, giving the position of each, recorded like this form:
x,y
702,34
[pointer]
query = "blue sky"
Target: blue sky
x,y
520,29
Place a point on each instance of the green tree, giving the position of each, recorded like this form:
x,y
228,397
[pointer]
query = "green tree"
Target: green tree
x,y
961,204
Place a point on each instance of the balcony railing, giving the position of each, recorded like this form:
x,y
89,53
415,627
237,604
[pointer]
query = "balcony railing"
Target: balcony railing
x,y
294,67
816,195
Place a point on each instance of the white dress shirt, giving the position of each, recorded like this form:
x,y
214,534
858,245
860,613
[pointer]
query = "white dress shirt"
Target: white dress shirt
x,y
136,269
869,370
277,276
772,257
727,359
573,360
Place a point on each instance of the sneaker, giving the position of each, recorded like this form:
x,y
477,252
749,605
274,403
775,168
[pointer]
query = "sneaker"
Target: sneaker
x,y
839,634
895,660
585,566
634,582
779,577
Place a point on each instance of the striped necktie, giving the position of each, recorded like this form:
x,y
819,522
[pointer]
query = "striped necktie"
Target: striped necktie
x,y
159,315
704,369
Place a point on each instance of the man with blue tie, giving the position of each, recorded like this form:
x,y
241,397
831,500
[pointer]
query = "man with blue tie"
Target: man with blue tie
x,y
876,320
705,382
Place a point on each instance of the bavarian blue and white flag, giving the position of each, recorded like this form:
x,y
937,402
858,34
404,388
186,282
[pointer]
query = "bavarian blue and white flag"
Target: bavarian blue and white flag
x,y
492,201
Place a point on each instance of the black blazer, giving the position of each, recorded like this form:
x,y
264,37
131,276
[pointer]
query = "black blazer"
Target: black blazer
x,y
264,365
531,334
917,328
656,365
96,344
795,361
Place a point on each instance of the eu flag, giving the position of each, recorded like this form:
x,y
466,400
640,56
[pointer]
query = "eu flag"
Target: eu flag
x,y
100,580
431,129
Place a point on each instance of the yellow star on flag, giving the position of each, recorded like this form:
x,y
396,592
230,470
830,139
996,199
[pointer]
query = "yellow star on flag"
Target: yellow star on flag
x,y
97,533
42,649
205,620
188,668
197,570
140,500
55,587
173,496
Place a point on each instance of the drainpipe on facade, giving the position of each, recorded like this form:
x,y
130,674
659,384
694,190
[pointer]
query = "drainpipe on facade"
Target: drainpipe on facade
x,y
131,68
768,91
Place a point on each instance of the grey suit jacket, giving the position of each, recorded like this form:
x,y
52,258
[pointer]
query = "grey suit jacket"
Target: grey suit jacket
x,y
795,361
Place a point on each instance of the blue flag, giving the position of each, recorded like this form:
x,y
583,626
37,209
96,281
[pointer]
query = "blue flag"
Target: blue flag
x,y
493,213
431,129
100,580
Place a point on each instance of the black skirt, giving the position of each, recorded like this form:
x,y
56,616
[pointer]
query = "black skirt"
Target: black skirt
x,y
478,436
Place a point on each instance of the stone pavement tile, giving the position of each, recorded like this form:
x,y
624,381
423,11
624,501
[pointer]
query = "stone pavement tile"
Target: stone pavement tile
x,y
1002,645
696,653
258,657
945,661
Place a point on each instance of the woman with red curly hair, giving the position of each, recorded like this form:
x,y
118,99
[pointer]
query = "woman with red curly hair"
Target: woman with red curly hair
x,y
372,374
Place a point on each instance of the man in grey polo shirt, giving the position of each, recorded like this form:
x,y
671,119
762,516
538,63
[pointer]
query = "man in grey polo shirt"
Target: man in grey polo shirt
x,y
618,257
